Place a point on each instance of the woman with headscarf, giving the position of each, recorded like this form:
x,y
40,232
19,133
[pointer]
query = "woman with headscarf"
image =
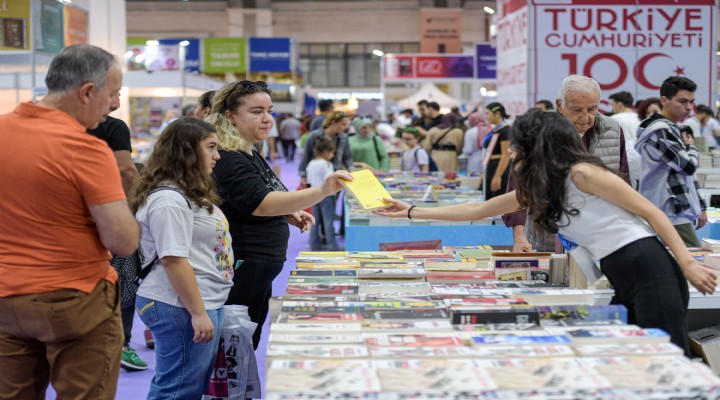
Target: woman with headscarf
x,y
367,147
445,143
474,137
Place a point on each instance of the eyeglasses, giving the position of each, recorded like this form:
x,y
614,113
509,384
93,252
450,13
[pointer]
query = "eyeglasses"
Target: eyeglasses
x,y
247,86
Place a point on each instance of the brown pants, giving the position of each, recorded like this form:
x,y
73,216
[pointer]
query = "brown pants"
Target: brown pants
x,y
69,338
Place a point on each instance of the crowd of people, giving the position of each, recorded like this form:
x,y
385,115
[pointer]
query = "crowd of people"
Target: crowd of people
x,y
206,222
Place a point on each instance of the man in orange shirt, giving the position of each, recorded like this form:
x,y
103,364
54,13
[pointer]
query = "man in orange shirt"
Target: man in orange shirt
x,y
63,209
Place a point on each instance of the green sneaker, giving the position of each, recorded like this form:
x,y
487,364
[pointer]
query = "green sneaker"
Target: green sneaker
x,y
131,362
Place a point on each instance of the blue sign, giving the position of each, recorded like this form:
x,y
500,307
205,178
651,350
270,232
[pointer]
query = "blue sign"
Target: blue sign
x,y
192,52
486,59
269,54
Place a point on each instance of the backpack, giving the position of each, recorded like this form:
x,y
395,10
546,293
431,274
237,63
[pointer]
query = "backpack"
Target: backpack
x,y
432,167
144,269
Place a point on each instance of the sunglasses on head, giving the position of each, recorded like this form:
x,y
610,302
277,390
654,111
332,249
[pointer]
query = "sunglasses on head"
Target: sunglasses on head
x,y
245,86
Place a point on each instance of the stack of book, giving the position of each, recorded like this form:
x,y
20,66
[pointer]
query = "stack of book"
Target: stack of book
x,y
487,339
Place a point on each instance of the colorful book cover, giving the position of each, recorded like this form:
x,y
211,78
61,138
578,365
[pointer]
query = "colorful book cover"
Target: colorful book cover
x,y
324,273
520,340
579,312
319,317
400,315
495,315
321,289
412,339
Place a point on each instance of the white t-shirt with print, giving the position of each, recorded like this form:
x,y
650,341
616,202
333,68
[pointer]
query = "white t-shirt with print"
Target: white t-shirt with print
x,y
171,228
317,170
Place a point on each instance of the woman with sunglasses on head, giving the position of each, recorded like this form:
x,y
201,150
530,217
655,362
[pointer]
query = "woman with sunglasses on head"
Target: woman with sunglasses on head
x,y
257,205
334,127
568,191
186,236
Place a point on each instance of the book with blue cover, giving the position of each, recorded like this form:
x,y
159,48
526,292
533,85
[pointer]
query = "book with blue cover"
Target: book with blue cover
x,y
520,340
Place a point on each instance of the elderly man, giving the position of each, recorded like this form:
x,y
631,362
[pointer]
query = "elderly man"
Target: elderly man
x,y
63,209
578,100
670,159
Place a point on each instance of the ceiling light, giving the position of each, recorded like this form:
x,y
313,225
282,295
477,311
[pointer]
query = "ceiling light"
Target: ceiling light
x,y
488,10
378,53
152,43
184,43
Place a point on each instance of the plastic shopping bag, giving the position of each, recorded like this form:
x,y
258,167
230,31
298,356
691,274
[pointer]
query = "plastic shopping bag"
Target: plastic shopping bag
x,y
242,372
218,386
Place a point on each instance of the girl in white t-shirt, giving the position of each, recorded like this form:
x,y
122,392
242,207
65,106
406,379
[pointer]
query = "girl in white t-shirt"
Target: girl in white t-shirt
x,y
415,158
186,244
324,211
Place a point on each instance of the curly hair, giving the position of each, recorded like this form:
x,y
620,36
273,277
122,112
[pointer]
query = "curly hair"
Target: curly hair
x,y
229,98
546,146
177,158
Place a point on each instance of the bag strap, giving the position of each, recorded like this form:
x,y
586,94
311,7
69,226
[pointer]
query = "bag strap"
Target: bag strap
x,y
145,270
377,150
443,135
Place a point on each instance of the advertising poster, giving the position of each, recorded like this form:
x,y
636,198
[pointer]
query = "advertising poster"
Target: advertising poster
x,y
15,25
440,31
399,66
419,66
512,55
454,66
486,61
221,55
49,36
624,45
270,54
76,26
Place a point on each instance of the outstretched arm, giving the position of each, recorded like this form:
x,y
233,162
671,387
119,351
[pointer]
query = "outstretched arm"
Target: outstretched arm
x,y
602,183
459,212
285,203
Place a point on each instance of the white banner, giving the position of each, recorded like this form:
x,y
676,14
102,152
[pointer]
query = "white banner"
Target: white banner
x,y
623,46
512,56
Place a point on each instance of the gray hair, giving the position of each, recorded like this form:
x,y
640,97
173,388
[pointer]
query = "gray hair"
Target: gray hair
x,y
76,65
579,83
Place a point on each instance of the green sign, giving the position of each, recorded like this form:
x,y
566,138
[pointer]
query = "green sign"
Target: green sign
x,y
224,55
52,37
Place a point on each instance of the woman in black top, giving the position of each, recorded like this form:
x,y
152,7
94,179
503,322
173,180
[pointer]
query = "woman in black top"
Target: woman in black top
x,y
498,144
257,205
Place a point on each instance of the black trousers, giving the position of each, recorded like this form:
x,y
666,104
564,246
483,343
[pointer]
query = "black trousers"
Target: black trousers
x,y
649,282
288,146
252,287
489,174
127,315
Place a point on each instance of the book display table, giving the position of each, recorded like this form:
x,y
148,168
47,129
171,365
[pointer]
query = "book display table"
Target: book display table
x,y
388,325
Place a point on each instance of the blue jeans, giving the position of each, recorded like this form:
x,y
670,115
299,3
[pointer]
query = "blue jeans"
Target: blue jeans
x,y
182,368
324,213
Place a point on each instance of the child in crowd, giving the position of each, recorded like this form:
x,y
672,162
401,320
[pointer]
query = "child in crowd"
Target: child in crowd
x,y
415,158
324,212
568,191
187,239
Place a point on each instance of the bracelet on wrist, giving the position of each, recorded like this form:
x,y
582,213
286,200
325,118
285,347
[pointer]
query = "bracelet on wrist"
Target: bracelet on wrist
x,y
410,209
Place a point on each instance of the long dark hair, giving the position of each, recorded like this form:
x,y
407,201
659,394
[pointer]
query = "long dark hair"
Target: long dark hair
x,y
546,146
177,158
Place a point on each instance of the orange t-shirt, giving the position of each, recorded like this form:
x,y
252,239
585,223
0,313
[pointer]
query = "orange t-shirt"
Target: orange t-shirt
x,y
51,170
